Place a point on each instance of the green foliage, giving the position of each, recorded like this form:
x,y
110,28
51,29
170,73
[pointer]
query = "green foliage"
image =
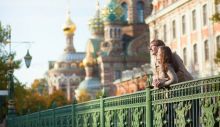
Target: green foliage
x,y
99,94
83,96
58,97
36,98
5,67
39,85
4,33
25,99
33,103
29,100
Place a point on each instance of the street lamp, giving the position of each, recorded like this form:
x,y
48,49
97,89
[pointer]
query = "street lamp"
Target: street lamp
x,y
27,58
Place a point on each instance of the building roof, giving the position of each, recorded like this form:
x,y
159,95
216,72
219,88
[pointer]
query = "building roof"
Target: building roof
x,y
71,56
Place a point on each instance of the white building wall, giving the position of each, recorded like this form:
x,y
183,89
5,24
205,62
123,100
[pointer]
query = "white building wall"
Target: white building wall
x,y
203,68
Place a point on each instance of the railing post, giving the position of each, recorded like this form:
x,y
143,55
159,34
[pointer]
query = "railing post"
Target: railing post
x,y
27,118
102,117
73,112
148,108
54,105
54,125
149,122
38,122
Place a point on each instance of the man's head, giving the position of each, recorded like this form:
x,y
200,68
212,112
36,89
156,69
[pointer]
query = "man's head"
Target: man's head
x,y
154,46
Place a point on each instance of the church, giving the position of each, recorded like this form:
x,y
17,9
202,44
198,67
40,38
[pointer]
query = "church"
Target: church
x,y
118,42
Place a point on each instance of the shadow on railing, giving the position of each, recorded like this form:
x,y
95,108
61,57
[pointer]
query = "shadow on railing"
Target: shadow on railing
x,y
188,104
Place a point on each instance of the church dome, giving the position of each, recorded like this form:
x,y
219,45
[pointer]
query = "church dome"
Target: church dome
x,y
113,12
96,23
91,85
69,27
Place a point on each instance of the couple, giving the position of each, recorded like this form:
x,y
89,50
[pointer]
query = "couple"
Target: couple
x,y
169,67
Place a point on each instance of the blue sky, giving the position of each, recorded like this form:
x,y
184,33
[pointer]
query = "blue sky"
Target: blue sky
x,y
40,21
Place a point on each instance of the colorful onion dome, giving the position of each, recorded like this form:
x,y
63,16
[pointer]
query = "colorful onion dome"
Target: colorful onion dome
x,y
113,12
96,23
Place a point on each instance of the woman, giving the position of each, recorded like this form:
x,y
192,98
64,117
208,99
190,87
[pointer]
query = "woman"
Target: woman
x,y
182,73
165,68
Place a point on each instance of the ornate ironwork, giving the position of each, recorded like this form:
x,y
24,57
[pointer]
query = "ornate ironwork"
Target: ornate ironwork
x,y
159,115
122,117
108,118
208,111
193,103
181,113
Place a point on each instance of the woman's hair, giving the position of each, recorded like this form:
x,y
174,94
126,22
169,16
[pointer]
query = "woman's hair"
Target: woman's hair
x,y
167,58
157,42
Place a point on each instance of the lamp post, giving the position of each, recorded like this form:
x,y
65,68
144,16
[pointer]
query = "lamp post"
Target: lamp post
x,y
27,58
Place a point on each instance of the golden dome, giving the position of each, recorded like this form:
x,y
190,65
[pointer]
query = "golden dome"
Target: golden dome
x,y
89,61
69,27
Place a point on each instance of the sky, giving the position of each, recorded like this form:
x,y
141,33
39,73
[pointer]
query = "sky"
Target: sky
x,y
40,22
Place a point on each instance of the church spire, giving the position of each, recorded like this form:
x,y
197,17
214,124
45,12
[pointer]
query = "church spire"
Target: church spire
x,y
69,26
69,29
96,24
97,5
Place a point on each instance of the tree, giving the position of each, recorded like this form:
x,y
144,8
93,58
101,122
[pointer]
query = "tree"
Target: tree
x,y
20,94
83,96
58,96
40,86
5,67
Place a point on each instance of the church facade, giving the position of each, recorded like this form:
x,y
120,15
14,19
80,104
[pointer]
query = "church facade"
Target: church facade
x,y
65,73
118,42
119,39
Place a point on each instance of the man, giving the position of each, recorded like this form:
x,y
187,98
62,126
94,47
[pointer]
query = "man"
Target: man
x,y
182,73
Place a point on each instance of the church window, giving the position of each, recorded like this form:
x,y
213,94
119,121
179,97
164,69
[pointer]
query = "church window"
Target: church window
x,y
125,8
140,11
119,32
115,32
111,33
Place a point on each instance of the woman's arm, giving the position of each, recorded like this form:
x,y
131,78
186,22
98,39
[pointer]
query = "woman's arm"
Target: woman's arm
x,y
172,77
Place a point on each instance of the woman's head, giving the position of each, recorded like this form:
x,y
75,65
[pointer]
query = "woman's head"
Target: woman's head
x,y
165,56
154,46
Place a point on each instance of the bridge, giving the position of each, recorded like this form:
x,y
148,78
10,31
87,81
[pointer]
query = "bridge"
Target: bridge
x,y
189,104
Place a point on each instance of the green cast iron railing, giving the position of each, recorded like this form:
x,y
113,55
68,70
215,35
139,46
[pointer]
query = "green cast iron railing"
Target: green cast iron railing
x,y
189,104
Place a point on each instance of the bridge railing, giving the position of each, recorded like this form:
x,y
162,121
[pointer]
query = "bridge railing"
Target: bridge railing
x,y
188,104
192,104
